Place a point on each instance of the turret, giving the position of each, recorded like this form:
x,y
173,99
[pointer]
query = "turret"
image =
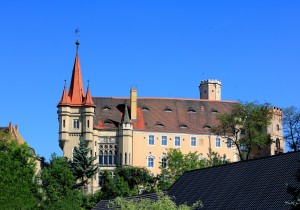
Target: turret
x,y
125,133
75,112
210,89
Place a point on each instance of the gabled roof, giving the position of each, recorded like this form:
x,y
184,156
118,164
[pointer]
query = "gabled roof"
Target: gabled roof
x,y
162,114
255,184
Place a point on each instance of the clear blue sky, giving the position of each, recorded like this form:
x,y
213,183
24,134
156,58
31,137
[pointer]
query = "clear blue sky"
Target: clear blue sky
x,y
162,47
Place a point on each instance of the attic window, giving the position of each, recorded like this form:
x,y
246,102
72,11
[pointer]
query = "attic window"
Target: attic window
x,y
159,125
183,126
146,109
167,109
214,111
206,127
106,108
191,110
108,122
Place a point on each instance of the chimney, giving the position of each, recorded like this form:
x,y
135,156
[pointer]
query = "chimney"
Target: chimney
x,y
10,127
16,128
133,103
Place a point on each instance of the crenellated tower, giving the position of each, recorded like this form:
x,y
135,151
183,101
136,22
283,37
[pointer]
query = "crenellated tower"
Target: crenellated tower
x,y
210,89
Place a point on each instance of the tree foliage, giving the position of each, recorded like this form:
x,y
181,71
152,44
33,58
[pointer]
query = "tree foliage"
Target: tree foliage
x,y
246,127
291,127
135,176
178,163
18,189
83,163
59,185
163,202
114,187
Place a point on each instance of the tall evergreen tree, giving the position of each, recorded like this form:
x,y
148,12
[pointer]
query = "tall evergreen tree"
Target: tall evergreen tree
x,y
83,164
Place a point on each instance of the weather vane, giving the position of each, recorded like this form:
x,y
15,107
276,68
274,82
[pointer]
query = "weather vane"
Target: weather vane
x,y
77,42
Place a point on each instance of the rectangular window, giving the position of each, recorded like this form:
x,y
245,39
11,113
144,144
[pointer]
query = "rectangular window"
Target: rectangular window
x,y
177,141
193,141
150,162
228,143
64,123
151,140
164,140
218,142
76,124
243,147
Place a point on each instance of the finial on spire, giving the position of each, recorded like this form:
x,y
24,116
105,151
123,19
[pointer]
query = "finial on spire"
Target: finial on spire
x,y
77,41
65,82
88,83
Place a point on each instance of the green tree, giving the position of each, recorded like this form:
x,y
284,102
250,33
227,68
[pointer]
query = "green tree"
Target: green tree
x,y
163,202
178,163
114,187
291,127
246,127
58,185
18,190
83,164
135,176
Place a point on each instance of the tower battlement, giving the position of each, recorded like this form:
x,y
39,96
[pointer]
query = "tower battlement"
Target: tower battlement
x,y
210,81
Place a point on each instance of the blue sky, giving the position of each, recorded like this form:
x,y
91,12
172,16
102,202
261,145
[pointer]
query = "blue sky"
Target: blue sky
x,y
162,47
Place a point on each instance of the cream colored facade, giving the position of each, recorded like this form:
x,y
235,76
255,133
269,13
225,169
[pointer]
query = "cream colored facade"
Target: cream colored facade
x,y
126,145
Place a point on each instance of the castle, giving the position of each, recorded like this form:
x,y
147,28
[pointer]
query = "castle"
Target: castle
x,y
137,131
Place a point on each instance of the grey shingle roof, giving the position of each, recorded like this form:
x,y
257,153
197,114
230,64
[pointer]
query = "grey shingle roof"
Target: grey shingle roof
x,y
254,184
103,204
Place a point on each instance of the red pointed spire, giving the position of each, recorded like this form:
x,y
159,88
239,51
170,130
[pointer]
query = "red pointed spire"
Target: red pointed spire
x,y
64,98
76,92
88,99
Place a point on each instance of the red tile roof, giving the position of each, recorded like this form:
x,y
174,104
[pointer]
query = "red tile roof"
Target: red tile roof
x,y
163,114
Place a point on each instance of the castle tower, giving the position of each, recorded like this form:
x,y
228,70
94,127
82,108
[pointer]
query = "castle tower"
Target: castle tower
x,y
125,143
210,89
75,114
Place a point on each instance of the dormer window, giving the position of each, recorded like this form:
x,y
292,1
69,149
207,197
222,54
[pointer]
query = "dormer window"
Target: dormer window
x,y
191,111
159,125
167,109
206,127
183,126
145,109
106,108
214,111
108,122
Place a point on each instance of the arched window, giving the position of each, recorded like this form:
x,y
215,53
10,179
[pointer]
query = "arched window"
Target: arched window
x,y
150,161
108,154
277,144
163,162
